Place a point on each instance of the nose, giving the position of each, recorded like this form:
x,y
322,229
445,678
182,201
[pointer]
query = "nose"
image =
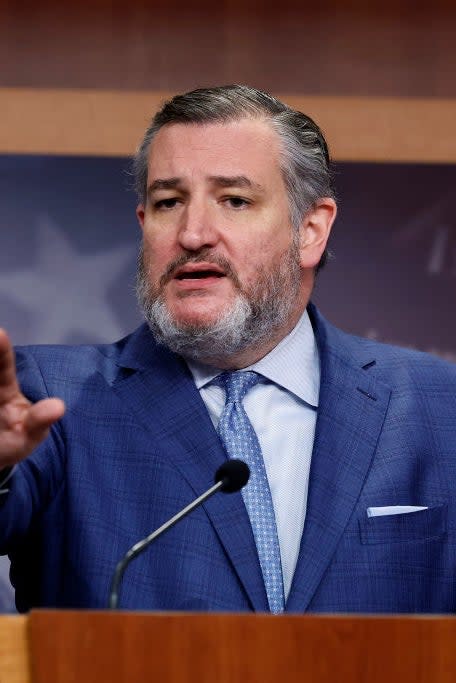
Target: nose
x,y
197,229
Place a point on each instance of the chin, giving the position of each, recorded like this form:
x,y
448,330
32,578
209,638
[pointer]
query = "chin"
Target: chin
x,y
200,317
196,322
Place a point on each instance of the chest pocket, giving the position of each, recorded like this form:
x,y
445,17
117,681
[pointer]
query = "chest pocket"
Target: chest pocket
x,y
411,526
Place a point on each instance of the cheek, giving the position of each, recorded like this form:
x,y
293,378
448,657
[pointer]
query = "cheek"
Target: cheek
x,y
158,251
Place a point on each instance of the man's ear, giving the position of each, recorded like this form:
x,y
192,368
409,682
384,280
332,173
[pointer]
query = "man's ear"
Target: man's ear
x,y
140,213
315,231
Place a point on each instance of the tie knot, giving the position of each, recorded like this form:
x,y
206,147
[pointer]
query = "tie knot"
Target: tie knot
x,y
237,384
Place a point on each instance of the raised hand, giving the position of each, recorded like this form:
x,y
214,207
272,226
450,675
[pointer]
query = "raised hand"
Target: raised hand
x,y
23,425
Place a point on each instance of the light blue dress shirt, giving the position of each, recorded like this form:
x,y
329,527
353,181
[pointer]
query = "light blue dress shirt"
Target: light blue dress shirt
x,y
283,411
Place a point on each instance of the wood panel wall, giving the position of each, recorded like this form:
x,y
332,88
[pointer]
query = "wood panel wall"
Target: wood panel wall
x,y
84,77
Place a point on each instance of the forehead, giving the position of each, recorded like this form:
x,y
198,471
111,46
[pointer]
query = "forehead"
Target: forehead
x,y
247,147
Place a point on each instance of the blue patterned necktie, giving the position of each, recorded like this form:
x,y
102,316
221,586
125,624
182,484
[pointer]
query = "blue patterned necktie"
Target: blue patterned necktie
x,y
241,441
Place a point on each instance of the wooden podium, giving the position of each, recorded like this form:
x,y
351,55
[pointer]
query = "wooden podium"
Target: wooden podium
x,y
88,646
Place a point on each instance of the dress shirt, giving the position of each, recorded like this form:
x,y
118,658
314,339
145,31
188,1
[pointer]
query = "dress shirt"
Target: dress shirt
x,y
282,408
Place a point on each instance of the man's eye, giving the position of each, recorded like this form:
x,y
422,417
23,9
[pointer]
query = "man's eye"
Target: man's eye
x,y
237,202
168,203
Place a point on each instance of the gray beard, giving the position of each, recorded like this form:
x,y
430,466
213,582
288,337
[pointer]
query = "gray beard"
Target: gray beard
x,y
249,321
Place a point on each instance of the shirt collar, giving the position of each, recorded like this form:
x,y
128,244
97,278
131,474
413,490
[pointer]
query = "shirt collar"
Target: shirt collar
x,y
293,364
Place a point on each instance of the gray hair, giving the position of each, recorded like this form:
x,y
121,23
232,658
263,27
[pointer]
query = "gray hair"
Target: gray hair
x,y
305,161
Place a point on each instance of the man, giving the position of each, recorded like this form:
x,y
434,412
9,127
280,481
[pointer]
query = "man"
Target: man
x,y
350,506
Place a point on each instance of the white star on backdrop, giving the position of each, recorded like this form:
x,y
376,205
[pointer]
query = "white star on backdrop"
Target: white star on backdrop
x,y
66,289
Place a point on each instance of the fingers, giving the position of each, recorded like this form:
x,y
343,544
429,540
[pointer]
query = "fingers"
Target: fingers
x,y
8,382
20,438
22,425
42,414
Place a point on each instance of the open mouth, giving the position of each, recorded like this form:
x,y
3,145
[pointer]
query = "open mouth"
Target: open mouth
x,y
199,271
198,274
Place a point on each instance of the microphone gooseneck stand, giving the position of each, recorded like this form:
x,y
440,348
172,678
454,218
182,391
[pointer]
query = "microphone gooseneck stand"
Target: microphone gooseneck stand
x,y
229,478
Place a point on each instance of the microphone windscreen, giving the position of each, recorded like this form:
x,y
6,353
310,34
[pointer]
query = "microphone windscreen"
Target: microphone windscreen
x,y
234,474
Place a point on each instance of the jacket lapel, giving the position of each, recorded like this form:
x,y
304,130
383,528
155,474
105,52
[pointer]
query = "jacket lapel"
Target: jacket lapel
x,y
157,387
352,409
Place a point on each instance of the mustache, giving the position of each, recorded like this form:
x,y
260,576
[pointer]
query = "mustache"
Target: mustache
x,y
205,255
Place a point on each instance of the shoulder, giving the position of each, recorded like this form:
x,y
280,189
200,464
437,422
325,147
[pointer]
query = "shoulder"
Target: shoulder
x,y
62,359
55,367
392,364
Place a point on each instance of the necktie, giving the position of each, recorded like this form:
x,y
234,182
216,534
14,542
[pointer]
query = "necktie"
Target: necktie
x,y
241,441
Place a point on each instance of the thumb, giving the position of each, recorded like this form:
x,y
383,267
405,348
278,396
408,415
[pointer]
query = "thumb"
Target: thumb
x,y
43,414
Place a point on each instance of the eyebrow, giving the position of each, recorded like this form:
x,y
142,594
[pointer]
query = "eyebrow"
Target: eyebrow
x,y
164,184
235,181
221,181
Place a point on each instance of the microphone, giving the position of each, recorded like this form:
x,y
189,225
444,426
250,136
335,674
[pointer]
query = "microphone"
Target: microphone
x,y
229,478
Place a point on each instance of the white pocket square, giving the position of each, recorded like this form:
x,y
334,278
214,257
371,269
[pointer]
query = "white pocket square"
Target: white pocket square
x,y
393,510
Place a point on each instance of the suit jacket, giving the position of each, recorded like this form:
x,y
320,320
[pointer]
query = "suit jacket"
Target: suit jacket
x,y
136,444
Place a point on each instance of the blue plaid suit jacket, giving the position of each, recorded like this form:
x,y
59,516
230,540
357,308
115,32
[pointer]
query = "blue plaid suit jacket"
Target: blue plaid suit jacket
x,y
136,445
